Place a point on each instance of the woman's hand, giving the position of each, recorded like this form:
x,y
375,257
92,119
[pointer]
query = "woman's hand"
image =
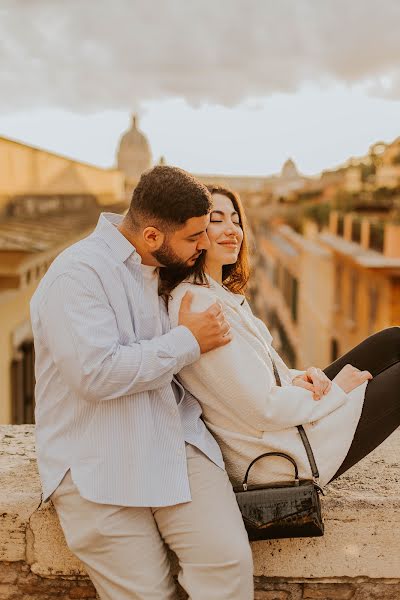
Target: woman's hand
x,y
315,380
350,377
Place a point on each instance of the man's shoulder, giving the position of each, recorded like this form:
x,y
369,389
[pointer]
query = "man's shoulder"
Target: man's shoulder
x,y
83,259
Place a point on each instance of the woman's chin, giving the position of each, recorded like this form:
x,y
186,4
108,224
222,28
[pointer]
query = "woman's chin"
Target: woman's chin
x,y
230,260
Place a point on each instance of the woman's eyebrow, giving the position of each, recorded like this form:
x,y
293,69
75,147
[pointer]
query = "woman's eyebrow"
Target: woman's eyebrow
x,y
221,212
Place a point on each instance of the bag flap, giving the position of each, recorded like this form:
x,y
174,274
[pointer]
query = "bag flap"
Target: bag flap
x,y
261,507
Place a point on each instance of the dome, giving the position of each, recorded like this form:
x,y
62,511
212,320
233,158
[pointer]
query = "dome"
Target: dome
x,y
289,170
134,152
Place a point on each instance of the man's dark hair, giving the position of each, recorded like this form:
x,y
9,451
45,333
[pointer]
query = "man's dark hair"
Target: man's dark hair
x,y
167,197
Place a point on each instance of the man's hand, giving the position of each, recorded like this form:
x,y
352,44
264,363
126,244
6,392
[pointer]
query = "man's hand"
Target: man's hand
x,y
209,327
314,380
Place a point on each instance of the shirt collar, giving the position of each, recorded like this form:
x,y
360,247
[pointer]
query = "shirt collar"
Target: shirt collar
x,y
120,246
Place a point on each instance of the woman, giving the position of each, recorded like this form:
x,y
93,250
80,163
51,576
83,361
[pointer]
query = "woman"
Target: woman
x,y
347,410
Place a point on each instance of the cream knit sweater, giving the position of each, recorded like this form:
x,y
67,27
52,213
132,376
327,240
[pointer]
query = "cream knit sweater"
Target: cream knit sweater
x,y
245,410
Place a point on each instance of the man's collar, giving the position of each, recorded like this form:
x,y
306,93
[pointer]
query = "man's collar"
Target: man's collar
x,y
119,244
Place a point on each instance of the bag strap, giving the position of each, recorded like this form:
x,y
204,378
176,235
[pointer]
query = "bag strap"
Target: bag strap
x,y
310,453
301,430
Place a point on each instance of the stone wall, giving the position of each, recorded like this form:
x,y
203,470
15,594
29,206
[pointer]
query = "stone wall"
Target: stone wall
x,y
358,557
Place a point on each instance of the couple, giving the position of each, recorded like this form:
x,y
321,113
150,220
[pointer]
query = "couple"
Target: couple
x,y
144,374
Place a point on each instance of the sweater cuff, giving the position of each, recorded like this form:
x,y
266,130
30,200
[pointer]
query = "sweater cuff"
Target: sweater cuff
x,y
295,373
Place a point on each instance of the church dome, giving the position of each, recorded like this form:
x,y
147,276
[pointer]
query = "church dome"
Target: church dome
x,y
289,170
134,152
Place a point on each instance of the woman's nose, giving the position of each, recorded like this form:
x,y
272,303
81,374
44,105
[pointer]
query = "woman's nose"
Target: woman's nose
x,y
230,229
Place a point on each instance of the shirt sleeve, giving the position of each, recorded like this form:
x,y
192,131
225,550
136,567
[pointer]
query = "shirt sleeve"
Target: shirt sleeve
x,y
241,379
80,328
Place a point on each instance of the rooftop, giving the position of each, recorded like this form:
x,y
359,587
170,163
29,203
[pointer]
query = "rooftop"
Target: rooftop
x,y
44,232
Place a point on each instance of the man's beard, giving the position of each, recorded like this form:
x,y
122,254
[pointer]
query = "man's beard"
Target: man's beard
x,y
167,258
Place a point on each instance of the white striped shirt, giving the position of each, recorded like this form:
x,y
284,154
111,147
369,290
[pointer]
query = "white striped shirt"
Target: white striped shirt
x,y
107,406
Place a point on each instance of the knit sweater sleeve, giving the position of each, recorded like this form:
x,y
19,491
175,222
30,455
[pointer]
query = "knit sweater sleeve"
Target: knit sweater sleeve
x,y
237,377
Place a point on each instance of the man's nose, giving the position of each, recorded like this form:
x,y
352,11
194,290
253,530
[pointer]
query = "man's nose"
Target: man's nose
x,y
204,242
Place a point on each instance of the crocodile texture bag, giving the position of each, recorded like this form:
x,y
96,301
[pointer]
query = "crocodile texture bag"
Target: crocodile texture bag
x,y
282,510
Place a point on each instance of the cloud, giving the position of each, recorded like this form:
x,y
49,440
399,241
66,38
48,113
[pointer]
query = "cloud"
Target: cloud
x,y
88,55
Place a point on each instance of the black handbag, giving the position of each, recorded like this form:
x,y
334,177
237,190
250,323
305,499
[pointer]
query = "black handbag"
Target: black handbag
x,y
285,509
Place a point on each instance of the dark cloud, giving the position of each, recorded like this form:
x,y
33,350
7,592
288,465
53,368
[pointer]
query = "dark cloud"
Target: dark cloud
x,y
97,54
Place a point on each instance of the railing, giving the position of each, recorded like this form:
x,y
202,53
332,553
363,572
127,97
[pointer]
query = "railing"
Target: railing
x,y
371,233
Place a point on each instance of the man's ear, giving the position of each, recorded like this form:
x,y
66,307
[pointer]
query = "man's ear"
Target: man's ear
x,y
153,238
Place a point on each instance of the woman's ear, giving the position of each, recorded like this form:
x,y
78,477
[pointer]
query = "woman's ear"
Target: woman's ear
x,y
153,238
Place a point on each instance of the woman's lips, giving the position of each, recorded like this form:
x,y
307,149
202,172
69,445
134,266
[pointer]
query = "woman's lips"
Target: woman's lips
x,y
232,245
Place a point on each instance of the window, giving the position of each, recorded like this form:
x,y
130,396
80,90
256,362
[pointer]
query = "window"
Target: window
x,y
372,307
338,285
376,235
276,274
356,230
340,225
23,384
294,298
334,349
353,296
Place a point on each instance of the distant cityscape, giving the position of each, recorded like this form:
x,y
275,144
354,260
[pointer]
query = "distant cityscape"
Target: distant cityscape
x,y
326,249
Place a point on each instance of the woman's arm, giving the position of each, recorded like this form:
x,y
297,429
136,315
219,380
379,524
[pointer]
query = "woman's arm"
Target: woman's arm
x,y
239,378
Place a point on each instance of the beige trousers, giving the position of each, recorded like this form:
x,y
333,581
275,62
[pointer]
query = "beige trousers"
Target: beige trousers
x,y
124,548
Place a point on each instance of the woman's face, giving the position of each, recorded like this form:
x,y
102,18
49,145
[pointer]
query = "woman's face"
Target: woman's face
x,y
224,232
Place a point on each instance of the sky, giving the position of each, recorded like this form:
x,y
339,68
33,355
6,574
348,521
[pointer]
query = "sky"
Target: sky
x,y
234,86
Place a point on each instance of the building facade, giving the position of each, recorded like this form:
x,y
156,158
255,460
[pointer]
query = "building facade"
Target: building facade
x,y
323,292
47,202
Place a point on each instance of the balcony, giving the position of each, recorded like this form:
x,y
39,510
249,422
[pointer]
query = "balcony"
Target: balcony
x,y
368,232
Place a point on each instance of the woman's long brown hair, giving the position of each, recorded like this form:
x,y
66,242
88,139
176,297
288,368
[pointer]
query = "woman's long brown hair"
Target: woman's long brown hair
x,y
235,277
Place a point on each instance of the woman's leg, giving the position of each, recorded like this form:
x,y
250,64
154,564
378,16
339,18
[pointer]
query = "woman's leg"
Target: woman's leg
x,y
375,354
379,354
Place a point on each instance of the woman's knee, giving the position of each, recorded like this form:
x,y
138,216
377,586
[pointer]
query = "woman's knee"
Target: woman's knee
x,y
390,338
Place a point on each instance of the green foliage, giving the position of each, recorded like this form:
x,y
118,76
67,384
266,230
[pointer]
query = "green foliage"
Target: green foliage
x,y
367,170
318,213
396,159
345,201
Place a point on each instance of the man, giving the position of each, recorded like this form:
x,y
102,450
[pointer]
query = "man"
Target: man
x,y
122,450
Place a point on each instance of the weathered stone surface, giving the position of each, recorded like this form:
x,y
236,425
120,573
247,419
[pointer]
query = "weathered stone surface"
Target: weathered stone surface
x,y
272,595
333,591
47,535
19,488
267,585
358,554
362,512
18,583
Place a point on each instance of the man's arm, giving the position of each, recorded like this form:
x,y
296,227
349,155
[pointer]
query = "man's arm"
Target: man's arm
x,y
81,330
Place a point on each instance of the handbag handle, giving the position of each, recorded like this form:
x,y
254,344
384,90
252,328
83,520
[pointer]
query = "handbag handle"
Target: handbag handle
x,y
301,430
296,471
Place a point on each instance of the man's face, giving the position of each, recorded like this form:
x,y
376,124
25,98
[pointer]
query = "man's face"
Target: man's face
x,y
183,247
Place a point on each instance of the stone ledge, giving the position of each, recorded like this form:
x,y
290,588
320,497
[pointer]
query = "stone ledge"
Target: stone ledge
x,y
362,519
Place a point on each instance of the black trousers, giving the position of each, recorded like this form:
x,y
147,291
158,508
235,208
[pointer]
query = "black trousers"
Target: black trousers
x,y
380,355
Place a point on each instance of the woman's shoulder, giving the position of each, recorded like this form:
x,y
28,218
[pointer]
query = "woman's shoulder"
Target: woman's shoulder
x,y
202,298
203,295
